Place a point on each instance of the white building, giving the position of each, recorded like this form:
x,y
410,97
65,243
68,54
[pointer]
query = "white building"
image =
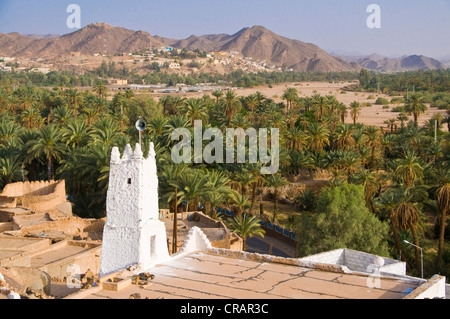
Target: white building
x,y
133,234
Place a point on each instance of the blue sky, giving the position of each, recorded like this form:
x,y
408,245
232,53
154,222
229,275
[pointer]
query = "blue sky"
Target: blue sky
x,y
407,26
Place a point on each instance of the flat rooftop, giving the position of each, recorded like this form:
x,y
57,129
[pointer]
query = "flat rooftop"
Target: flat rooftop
x,y
202,275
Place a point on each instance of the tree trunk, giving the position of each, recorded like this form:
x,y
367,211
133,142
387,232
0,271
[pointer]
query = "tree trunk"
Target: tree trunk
x,y
275,207
239,212
398,243
32,171
244,244
417,250
441,237
49,169
196,203
253,197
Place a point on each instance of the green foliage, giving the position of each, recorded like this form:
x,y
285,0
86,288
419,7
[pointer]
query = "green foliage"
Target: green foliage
x,y
381,101
342,220
70,133
430,80
306,201
364,78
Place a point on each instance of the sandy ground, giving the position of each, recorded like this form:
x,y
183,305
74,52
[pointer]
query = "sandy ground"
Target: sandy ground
x,y
374,115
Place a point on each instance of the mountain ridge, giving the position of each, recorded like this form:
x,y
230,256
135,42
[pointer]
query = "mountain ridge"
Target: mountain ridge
x,y
377,62
257,42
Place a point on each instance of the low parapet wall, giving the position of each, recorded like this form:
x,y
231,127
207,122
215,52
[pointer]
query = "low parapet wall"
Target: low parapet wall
x,y
29,188
39,196
431,289
72,226
358,261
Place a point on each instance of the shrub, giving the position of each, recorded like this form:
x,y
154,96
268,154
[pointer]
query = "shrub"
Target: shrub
x,y
342,220
381,101
398,109
397,100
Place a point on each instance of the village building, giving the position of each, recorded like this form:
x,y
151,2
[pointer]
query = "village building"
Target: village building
x,y
128,253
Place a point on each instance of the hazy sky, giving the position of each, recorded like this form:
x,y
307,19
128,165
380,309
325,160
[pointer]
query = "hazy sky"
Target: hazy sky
x,y
407,26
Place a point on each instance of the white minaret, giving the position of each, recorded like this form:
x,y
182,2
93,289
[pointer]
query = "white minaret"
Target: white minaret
x,y
133,233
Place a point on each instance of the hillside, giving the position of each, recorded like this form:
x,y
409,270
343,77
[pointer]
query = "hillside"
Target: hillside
x,y
378,62
94,38
257,43
263,45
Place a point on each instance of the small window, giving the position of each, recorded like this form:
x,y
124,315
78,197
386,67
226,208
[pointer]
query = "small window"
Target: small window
x,y
129,181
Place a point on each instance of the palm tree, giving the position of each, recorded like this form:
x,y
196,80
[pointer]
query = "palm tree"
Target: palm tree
x,y
409,169
342,109
355,111
214,199
241,203
9,133
105,132
11,169
75,99
165,101
443,206
75,134
246,227
391,124
190,186
61,115
290,94
174,122
296,138
156,126
344,136
194,109
175,104
321,104
49,145
402,117
276,181
389,201
415,106
31,117
317,137
251,102
371,184
373,135
231,106
406,216
217,94
101,89
129,94
90,114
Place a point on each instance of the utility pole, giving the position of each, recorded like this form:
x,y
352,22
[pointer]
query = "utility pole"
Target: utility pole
x,y
175,224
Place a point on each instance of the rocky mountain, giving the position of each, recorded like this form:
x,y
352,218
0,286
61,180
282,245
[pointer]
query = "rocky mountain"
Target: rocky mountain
x,y
257,42
43,36
445,60
94,38
263,45
378,62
